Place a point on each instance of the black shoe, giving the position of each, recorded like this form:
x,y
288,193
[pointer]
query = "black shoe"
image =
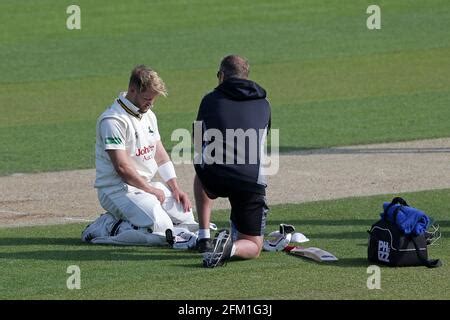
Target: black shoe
x,y
204,245
221,251
169,237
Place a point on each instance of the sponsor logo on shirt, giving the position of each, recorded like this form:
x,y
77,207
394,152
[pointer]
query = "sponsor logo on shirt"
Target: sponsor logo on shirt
x,y
143,151
113,140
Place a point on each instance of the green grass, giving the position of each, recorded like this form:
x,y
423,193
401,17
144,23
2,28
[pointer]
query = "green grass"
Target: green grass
x,y
34,260
330,80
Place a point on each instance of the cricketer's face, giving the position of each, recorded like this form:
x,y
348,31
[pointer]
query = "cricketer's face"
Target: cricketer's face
x,y
146,99
143,100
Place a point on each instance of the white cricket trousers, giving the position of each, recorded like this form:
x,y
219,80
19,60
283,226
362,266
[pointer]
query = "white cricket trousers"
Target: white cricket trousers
x,y
143,209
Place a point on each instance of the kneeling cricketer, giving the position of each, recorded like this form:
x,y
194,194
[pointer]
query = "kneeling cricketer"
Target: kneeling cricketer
x,y
128,154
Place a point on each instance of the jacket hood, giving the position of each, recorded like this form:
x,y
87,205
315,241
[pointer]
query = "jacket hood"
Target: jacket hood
x,y
241,89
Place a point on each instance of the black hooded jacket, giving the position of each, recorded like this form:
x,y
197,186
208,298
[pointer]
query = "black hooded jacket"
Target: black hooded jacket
x,y
239,105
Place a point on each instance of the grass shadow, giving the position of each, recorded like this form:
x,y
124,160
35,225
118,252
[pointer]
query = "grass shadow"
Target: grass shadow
x,y
353,262
99,254
198,265
41,241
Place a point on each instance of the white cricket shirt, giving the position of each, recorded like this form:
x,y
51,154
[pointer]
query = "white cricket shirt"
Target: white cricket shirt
x,y
122,127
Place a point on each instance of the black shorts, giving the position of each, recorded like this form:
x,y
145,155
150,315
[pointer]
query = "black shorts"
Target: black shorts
x,y
248,209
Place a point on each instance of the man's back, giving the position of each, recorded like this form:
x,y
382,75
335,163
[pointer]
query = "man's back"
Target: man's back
x,y
233,122
239,110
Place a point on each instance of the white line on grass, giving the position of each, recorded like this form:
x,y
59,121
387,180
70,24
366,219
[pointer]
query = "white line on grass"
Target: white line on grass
x,y
15,212
78,219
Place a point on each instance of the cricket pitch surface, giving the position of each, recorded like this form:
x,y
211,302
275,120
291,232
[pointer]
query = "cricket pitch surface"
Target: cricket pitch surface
x,y
303,176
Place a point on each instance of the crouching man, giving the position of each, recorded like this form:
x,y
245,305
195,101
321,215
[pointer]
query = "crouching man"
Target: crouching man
x,y
128,153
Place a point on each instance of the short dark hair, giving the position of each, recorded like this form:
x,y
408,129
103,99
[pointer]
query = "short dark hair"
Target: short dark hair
x,y
234,66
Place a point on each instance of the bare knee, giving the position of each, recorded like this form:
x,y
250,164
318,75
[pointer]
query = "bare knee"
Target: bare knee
x,y
248,247
255,254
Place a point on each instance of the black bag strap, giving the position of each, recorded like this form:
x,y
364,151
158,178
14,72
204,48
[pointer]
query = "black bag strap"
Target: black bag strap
x,y
394,217
394,214
432,263
399,200
396,200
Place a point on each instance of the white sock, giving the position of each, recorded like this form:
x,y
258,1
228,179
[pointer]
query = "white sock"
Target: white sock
x,y
233,250
204,233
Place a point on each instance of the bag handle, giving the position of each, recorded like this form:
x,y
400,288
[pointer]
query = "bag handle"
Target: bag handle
x,y
432,263
396,200
400,201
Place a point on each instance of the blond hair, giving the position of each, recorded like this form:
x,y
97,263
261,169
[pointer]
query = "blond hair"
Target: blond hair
x,y
143,77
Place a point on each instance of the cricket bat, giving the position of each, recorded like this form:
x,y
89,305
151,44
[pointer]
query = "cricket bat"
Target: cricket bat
x,y
313,253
